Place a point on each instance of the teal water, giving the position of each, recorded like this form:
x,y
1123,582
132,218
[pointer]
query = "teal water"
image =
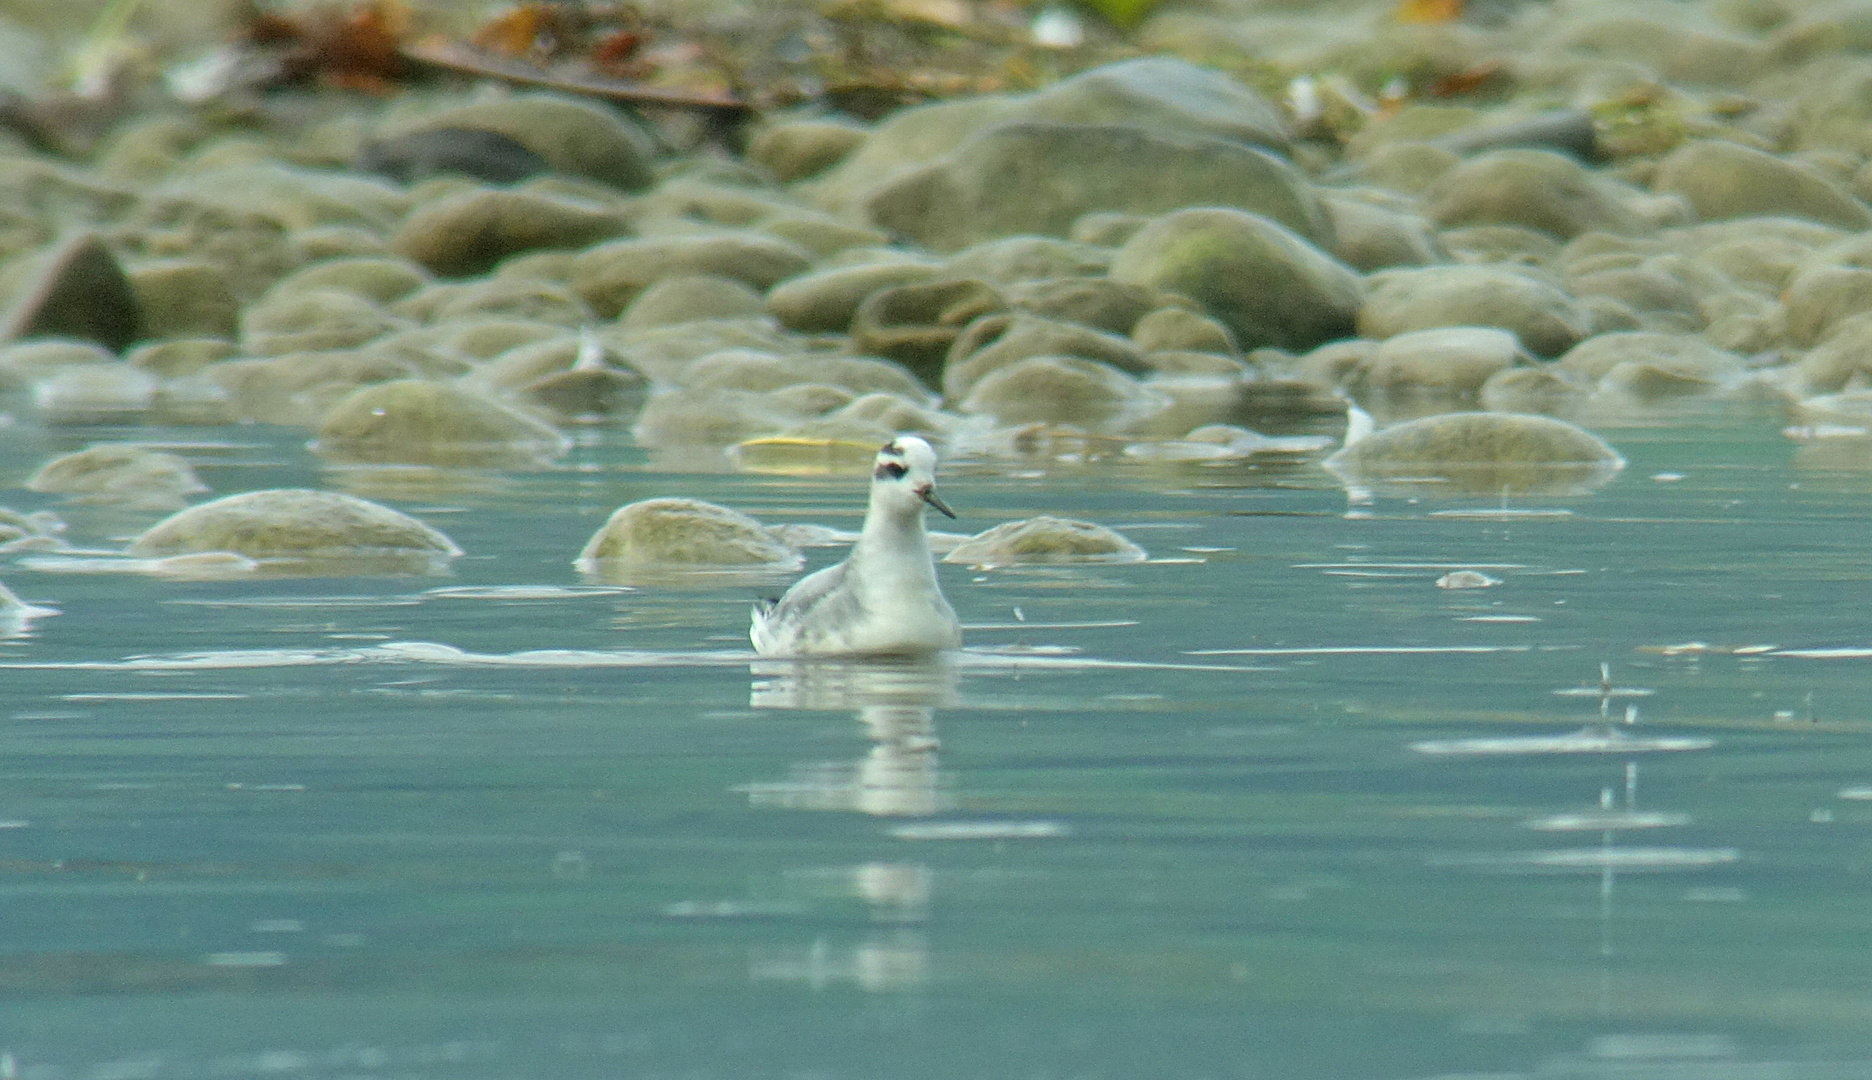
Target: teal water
x,y
1167,820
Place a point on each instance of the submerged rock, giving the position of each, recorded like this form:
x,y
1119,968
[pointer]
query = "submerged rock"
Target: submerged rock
x,y
1045,540
674,533
415,422
133,475
1482,453
340,533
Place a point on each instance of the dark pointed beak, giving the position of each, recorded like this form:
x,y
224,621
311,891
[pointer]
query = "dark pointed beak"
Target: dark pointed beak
x,y
929,496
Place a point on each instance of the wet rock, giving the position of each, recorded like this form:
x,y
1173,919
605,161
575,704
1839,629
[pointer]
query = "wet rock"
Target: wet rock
x,y
796,149
94,394
1510,244
1162,93
751,370
133,475
899,414
916,324
687,297
587,393
1040,178
1661,299
380,279
337,533
1368,237
1059,390
1045,540
827,300
709,417
1177,329
1406,166
1466,579
683,534
314,320
1594,359
1009,259
414,422
184,297
1850,409
1843,358
536,358
1547,321
1727,180
180,356
448,151
1106,228
1451,361
682,202
572,135
908,137
1192,362
996,341
298,388
1333,364
1569,131
662,352
1267,284
26,362
1099,302
1483,453
469,233
1822,297
1530,390
322,242
290,198
528,299
1536,189
821,234
611,275
77,290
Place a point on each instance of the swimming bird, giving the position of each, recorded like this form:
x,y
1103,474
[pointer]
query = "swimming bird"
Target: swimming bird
x,y
883,600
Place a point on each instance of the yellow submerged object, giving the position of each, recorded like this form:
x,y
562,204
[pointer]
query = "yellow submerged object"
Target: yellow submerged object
x,y
798,455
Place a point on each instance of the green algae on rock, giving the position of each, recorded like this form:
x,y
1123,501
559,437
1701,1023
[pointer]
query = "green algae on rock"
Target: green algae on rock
x,y
1045,539
682,534
121,474
327,531
416,422
1479,453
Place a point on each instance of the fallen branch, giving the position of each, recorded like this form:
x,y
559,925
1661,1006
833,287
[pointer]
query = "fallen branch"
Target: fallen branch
x,y
453,57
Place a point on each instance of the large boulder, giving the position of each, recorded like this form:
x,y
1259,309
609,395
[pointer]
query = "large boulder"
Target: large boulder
x,y
672,533
1480,453
298,524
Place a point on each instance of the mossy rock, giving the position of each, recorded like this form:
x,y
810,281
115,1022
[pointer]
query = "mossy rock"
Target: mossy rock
x,y
298,524
119,474
1045,540
1480,453
416,422
684,533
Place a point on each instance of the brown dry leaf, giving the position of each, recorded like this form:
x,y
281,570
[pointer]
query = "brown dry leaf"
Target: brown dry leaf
x,y
514,33
1467,81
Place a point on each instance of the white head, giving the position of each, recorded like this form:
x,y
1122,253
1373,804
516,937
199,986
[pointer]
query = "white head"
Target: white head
x,y
903,478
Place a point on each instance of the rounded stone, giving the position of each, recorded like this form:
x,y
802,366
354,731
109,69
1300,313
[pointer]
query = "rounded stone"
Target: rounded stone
x,y
687,297
380,279
1595,358
298,524
828,299
94,394
1545,319
1047,540
1058,390
916,324
1727,180
183,298
611,275
1266,283
1450,360
470,233
415,422
1535,189
314,320
995,341
1530,390
1099,302
684,533
1177,329
573,135
119,474
180,356
796,149
1005,260
1481,453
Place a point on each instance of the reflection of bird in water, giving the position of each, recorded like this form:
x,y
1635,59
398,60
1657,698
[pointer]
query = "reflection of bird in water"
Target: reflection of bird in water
x,y
883,599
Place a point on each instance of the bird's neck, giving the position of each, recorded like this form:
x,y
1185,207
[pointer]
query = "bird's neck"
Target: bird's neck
x,y
895,529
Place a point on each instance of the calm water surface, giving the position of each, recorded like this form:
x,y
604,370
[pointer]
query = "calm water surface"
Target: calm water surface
x,y
1222,814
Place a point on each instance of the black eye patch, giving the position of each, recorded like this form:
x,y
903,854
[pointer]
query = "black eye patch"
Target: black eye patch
x,y
892,469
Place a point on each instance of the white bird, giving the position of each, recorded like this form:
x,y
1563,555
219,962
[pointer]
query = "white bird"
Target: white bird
x,y
883,600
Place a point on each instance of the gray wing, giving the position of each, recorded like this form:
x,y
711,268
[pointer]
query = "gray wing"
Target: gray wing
x,y
810,613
